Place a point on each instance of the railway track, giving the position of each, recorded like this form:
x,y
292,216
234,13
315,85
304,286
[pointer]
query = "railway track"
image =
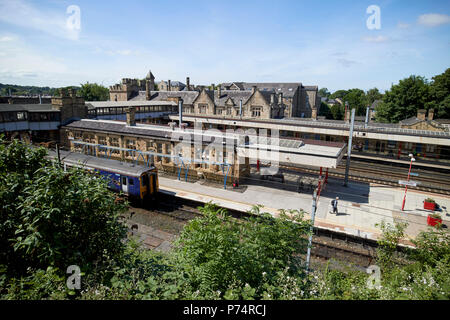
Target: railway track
x,y
373,176
327,245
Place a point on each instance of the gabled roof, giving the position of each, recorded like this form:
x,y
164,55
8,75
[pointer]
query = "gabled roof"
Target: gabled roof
x,y
410,121
150,75
187,96
287,88
27,107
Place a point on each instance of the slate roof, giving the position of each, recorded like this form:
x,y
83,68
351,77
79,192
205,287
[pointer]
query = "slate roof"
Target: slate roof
x,y
27,107
150,75
287,88
410,121
129,103
187,96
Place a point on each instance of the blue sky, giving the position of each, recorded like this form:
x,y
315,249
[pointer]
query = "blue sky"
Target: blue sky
x,y
324,43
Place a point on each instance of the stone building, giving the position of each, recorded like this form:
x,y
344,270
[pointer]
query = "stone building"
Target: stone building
x,y
171,85
227,103
299,100
129,88
421,122
157,145
40,122
259,100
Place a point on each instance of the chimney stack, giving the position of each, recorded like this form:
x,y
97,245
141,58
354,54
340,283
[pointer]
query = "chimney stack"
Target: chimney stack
x,y
170,86
314,113
272,98
212,86
280,98
219,91
188,87
430,114
421,114
347,114
131,113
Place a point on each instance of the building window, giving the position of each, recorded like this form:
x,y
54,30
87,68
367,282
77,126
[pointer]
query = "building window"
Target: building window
x,y
130,144
220,111
256,112
228,111
102,140
202,108
114,142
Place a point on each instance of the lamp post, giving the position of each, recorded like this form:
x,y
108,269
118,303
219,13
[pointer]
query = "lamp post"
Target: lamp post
x,y
313,215
406,186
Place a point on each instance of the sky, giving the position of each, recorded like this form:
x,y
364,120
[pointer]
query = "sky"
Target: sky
x,y
333,44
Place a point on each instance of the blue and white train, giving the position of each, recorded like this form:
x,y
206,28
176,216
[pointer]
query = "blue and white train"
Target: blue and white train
x,y
136,181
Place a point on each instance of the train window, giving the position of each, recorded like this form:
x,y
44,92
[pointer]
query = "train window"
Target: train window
x,y
124,181
20,116
131,181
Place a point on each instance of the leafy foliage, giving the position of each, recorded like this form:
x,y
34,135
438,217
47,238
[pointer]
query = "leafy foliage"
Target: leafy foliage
x,y
53,218
440,93
93,92
404,99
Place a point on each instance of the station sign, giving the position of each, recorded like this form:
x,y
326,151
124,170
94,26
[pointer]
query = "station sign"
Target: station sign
x,y
408,183
414,174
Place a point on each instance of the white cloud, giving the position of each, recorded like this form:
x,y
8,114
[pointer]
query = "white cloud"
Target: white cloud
x,y
403,25
6,38
22,14
433,19
375,39
19,61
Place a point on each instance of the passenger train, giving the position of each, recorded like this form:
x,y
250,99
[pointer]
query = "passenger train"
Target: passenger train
x,y
136,181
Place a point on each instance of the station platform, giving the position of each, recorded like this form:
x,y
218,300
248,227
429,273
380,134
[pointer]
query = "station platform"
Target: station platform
x,y
360,206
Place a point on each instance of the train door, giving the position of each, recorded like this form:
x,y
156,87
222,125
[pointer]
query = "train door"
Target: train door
x,y
153,183
124,183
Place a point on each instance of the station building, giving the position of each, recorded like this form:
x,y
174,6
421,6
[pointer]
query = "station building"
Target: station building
x,y
167,147
428,139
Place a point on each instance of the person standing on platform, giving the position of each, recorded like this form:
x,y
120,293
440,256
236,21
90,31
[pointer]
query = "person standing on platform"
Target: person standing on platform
x,y
334,203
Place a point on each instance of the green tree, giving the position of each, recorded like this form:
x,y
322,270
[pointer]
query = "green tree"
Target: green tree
x,y
50,217
372,95
337,112
338,94
325,110
404,99
217,251
324,93
93,92
440,93
356,98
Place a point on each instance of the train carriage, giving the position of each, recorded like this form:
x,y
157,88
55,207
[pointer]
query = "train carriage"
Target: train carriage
x,y
136,181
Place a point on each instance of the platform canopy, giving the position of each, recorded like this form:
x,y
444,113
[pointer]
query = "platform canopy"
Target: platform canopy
x,y
294,152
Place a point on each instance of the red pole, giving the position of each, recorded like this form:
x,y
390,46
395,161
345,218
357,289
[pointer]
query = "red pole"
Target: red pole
x,y
326,176
406,186
257,165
